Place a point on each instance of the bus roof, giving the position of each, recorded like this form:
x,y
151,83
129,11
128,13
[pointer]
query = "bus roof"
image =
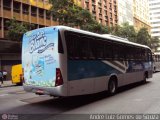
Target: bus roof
x,y
122,40
101,36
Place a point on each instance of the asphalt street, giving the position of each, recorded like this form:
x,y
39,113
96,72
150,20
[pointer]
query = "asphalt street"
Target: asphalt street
x,y
132,99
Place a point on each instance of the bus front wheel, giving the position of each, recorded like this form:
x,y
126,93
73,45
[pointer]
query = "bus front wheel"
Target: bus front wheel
x,y
112,87
145,78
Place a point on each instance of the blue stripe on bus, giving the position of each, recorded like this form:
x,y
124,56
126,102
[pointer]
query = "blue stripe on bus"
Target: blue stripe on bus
x,y
80,69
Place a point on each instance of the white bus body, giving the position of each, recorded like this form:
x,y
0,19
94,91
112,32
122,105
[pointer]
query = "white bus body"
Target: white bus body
x,y
156,61
63,61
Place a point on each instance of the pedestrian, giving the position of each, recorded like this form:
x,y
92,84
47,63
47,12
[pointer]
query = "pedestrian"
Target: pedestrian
x,y
1,77
5,75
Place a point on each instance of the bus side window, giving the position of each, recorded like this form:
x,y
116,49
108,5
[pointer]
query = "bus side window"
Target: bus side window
x,y
118,51
83,47
72,45
92,46
108,50
150,56
60,45
97,48
131,53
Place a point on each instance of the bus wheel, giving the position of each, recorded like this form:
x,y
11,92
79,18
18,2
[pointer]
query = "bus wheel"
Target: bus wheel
x,y
154,70
145,78
112,87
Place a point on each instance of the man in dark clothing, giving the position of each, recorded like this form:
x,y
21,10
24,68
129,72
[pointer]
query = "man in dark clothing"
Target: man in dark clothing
x,y
1,77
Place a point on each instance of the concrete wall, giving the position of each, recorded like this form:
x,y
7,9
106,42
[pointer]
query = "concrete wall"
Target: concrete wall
x,y
6,62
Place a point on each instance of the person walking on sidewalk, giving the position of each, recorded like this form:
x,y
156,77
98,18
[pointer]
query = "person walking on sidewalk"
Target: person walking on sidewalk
x,y
1,77
4,72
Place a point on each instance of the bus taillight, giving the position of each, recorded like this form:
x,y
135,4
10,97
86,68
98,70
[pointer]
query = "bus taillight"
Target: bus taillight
x,y
22,77
59,79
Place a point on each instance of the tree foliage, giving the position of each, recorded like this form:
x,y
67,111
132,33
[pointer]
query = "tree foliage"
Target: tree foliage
x,y
126,31
143,37
16,29
67,13
155,43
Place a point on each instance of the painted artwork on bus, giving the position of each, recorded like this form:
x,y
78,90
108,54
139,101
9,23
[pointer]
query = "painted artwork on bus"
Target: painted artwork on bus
x,y
40,56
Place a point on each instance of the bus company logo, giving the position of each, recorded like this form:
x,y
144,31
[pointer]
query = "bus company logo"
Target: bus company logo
x,y
38,42
4,116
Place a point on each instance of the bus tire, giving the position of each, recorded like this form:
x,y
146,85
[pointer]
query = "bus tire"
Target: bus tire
x,y
144,78
112,86
154,70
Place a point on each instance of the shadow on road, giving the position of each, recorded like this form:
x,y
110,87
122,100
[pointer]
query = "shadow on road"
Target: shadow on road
x,y
49,105
132,86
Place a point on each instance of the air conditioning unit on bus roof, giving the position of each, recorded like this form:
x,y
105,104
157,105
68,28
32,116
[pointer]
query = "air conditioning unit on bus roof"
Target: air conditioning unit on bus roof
x,y
113,36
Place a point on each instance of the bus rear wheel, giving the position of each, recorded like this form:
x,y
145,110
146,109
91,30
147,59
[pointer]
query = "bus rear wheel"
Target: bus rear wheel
x,y
112,87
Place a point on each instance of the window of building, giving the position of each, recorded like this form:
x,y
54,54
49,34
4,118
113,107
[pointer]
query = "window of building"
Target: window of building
x,y
106,18
110,5
41,13
93,8
7,4
115,7
100,20
93,1
6,24
16,6
110,15
100,11
25,9
0,3
106,22
99,4
33,11
87,5
48,15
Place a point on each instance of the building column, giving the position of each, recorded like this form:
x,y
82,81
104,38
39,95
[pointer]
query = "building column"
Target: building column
x,y
30,13
2,8
11,8
37,14
2,22
21,12
45,17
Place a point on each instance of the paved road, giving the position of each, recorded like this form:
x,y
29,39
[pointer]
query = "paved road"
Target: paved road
x,y
137,98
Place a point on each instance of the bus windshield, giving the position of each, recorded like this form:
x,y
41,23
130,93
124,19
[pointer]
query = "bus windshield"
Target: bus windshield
x,y
40,57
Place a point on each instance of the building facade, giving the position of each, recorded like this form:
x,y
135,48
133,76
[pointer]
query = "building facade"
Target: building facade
x,y
154,11
141,14
104,11
34,12
125,11
31,11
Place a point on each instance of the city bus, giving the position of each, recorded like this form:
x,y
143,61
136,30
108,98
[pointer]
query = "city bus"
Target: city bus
x,y
156,61
65,61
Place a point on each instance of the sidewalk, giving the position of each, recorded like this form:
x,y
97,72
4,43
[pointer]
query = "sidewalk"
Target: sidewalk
x,y
6,83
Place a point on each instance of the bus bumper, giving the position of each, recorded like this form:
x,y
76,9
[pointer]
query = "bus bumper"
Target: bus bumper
x,y
52,91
